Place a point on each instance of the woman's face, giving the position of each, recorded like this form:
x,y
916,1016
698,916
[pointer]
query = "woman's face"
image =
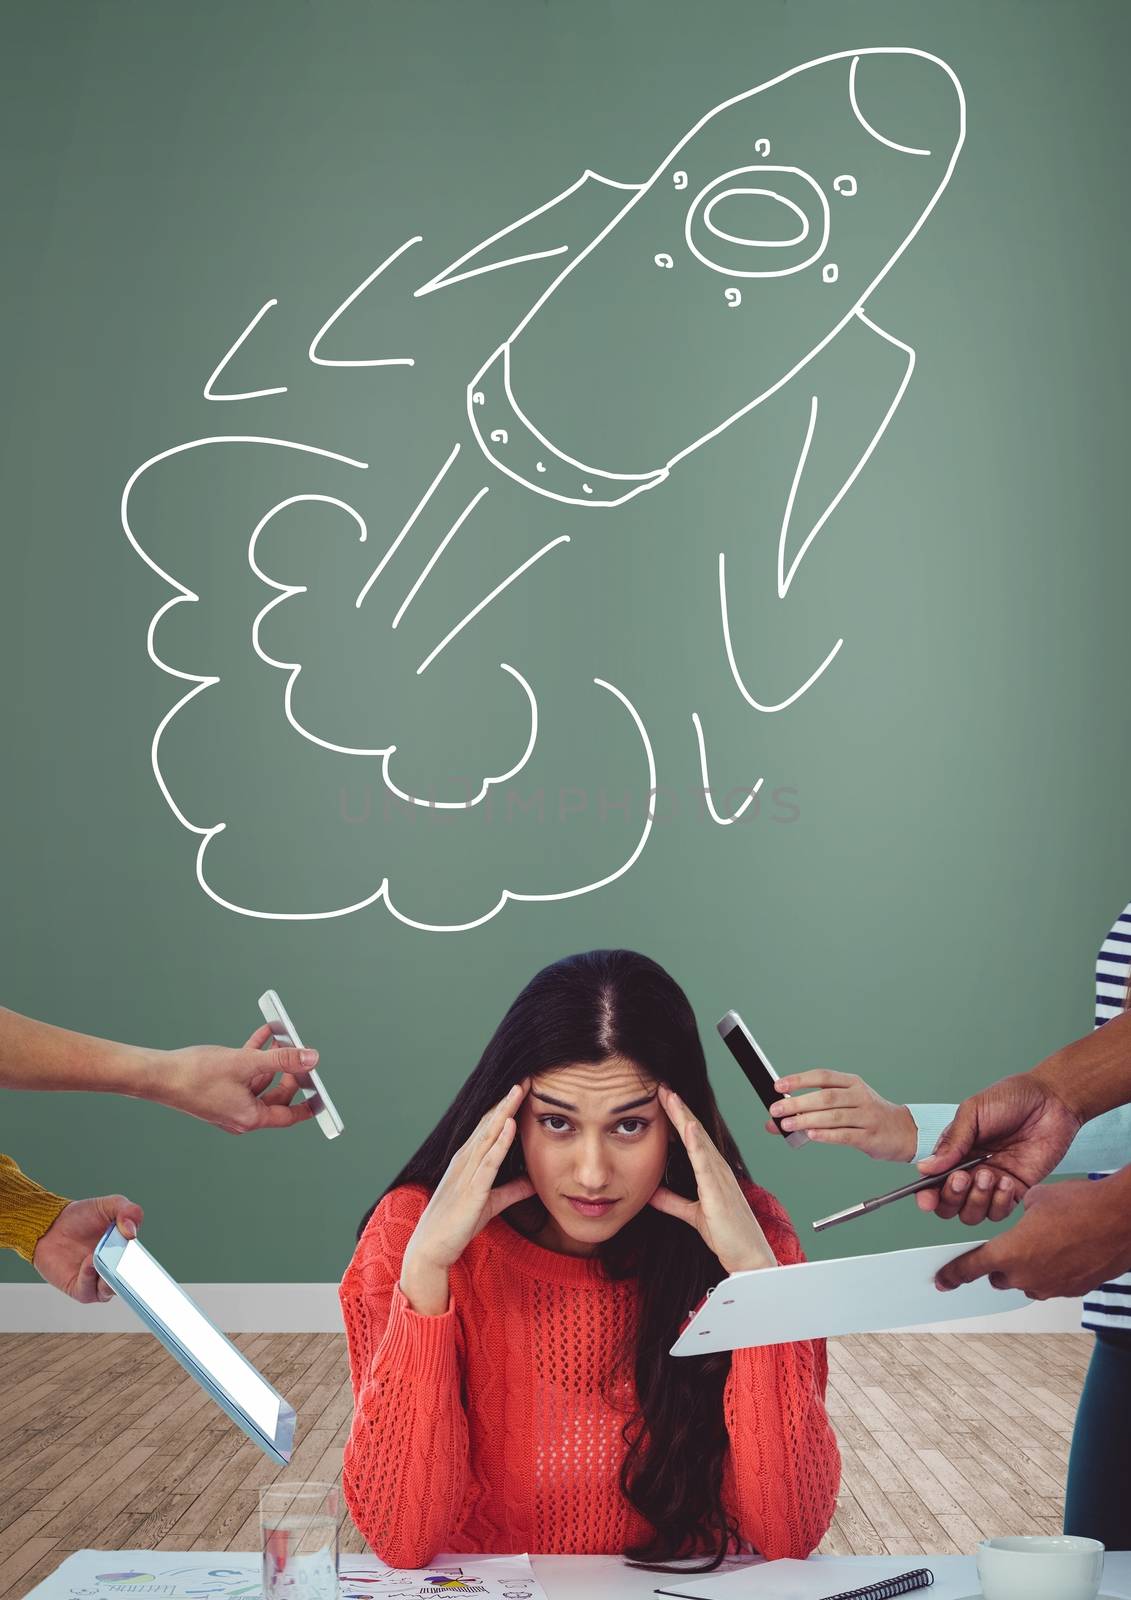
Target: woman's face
x,y
594,1131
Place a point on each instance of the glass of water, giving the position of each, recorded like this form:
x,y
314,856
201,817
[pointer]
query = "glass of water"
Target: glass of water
x,y
298,1526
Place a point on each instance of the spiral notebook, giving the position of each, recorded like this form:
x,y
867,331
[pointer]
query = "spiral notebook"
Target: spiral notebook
x,y
823,1579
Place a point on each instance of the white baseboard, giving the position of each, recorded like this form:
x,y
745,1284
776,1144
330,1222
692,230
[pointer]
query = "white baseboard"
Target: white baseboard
x,y
1039,1316
234,1307
314,1308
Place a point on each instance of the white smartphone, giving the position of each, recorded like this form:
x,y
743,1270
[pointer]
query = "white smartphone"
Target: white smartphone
x,y
754,1063
283,1032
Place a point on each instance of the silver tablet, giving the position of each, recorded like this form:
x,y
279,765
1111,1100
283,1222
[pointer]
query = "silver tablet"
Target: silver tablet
x,y
220,1369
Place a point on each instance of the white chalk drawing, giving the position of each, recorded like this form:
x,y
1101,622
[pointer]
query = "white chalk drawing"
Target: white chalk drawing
x,y
202,682
708,794
740,238
903,149
720,189
682,216
247,394
381,361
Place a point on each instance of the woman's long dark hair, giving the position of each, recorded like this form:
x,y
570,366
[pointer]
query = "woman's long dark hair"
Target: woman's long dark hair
x,y
587,1008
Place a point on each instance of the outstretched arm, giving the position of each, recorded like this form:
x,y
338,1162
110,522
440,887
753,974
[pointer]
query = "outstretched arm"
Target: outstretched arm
x,y
27,1210
58,1236
1101,1145
1093,1074
1028,1121
229,1088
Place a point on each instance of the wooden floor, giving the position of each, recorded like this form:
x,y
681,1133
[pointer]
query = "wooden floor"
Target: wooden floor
x,y
106,1443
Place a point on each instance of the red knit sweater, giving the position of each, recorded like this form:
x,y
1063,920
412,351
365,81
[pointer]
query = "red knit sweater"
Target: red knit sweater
x,y
484,1430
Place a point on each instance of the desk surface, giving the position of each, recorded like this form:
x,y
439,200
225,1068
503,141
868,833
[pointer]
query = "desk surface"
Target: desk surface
x,y
562,1577
607,1578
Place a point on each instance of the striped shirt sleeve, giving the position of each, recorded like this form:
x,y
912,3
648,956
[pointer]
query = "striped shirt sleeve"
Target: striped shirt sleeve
x,y
1109,1306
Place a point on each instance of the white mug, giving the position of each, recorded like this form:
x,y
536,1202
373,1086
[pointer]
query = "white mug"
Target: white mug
x,y
1059,1566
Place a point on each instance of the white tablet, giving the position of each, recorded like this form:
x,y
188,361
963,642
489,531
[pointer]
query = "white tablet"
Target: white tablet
x,y
284,1033
849,1294
220,1369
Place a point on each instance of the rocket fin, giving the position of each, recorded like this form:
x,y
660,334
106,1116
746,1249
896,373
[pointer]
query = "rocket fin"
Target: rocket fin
x,y
864,374
551,231
809,506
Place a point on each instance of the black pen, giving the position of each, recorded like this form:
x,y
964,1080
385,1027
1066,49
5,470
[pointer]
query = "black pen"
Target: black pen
x,y
897,1194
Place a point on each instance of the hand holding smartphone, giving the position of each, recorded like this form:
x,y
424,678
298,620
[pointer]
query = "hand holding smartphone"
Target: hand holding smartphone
x,y
283,1032
754,1063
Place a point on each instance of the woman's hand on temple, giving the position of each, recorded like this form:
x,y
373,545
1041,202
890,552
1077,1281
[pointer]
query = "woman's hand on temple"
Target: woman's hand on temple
x,y
721,1215
464,1201
840,1108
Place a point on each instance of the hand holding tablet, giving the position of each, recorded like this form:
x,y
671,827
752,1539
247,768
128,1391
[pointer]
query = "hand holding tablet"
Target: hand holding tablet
x,y
125,1266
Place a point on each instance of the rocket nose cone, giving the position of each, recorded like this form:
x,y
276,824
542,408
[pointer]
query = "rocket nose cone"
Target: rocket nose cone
x,y
908,102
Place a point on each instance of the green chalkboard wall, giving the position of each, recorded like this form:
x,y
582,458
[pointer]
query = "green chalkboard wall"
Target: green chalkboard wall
x,y
939,841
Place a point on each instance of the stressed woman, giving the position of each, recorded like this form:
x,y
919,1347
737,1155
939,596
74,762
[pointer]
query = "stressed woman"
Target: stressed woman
x,y
515,1292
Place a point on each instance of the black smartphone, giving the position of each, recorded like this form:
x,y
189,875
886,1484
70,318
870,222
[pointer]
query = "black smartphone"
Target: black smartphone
x,y
759,1074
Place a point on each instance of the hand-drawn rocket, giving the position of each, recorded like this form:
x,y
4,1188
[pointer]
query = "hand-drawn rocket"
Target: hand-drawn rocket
x,y
688,301
749,248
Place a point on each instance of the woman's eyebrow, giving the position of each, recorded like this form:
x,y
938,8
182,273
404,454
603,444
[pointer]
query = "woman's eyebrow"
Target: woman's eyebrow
x,y
565,1105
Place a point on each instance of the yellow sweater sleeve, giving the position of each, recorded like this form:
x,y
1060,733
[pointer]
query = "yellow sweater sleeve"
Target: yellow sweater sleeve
x,y
26,1210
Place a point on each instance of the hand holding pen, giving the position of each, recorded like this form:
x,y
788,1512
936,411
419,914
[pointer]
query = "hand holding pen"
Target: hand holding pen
x,y
921,1186
1020,1120
841,1108
1029,1129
